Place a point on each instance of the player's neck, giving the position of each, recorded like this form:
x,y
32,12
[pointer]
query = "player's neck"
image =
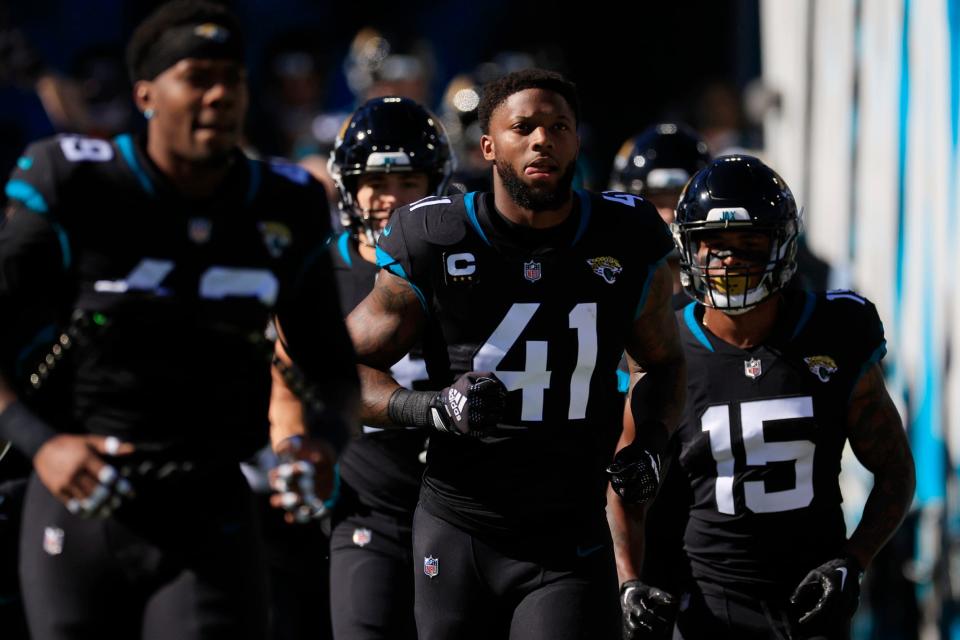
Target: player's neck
x,y
747,329
191,179
527,217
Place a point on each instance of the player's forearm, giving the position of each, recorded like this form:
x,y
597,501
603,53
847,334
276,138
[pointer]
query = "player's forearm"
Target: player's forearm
x,y
877,438
286,412
669,391
656,401
376,388
886,506
627,533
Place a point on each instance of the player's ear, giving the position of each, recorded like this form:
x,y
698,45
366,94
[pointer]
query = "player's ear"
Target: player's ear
x,y
486,145
143,95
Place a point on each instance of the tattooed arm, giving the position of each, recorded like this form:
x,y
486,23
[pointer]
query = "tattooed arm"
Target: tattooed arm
x,y
383,327
654,404
654,350
880,444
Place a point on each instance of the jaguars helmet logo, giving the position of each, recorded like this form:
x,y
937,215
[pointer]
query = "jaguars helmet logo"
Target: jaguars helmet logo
x,y
821,366
606,267
211,31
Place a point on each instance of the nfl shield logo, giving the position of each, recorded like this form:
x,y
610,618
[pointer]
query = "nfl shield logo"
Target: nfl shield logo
x,y
198,230
361,537
53,540
751,368
531,271
431,566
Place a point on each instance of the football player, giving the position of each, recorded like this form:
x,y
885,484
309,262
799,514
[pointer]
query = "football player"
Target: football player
x,y
525,298
391,152
657,164
779,380
160,261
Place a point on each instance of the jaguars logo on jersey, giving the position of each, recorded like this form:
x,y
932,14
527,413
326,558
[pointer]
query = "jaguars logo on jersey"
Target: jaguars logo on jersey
x,y
821,366
276,237
606,267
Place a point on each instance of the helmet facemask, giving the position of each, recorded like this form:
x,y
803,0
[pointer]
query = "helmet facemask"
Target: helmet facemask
x,y
362,222
735,289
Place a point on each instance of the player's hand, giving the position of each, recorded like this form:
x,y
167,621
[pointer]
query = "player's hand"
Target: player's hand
x,y
473,404
635,474
305,481
829,594
648,612
72,468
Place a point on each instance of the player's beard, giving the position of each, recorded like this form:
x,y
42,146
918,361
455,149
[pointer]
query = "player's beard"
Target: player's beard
x,y
536,198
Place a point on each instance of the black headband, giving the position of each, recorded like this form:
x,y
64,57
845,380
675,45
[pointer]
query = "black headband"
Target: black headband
x,y
201,40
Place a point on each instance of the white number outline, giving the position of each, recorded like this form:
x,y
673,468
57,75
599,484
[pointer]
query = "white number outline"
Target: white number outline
x,y
78,149
215,283
622,198
753,415
535,378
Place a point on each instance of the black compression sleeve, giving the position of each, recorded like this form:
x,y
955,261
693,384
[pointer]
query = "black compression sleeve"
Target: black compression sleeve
x,y
25,430
651,434
411,408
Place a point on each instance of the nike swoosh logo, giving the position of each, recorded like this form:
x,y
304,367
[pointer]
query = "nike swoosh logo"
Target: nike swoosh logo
x,y
843,576
387,231
589,551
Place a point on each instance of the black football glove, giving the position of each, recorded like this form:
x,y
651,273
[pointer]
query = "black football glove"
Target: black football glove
x,y
635,474
648,612
829,594
473,404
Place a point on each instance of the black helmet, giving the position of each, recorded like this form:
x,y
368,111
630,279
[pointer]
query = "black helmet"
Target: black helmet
x,y
736,192
663,157
387,135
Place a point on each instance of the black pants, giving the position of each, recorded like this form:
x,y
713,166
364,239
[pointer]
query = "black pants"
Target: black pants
x,y
371,590
13,624
711,611
181,561
298,569
479,591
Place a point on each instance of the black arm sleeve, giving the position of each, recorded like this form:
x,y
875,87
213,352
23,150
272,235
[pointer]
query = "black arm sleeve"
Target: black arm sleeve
x,y
31,282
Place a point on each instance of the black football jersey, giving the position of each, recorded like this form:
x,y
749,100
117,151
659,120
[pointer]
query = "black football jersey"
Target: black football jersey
x,y
762,437
383,467
548,311
177,293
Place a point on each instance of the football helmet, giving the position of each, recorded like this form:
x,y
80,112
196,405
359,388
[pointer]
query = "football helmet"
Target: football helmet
x,y
387,135
736,192
662,158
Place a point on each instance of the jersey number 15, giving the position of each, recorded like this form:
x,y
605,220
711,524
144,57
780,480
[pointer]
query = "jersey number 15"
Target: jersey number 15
x,y
760,452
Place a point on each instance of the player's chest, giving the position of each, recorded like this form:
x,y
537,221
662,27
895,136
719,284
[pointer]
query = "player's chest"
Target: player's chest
x,y
134,246
471,280
760,404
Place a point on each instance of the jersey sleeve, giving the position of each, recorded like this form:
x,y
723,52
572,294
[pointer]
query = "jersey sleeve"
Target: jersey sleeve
x,y
657,240
401,251
34,260
644,229
34,182
865,341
